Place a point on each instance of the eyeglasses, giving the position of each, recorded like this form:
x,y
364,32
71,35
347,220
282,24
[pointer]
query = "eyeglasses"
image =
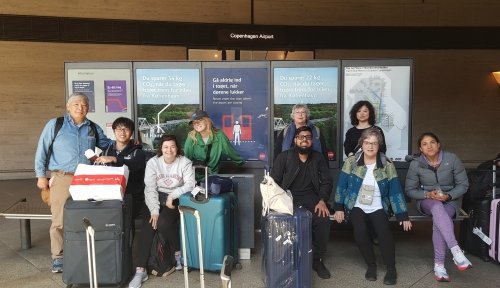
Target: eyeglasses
x,y
304,137
373,144
118,130
300,112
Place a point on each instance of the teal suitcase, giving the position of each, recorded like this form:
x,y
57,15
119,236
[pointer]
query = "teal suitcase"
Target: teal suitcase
x,y
219,230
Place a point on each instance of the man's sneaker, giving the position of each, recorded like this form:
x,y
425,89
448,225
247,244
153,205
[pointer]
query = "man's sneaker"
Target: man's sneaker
x,y
371,273
139,278
441,275
461,261
391,276
320,268
57,265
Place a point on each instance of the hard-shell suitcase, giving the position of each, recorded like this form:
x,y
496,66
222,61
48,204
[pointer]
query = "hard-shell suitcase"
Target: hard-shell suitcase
x,y
494,231
113,248
287,249
494,220
479,218
219,227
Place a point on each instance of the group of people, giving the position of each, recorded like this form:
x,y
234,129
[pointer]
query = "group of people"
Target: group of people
x,y
153,187
368,191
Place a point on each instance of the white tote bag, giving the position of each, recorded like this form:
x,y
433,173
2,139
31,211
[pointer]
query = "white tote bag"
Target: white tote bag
x,y
99,182
275,198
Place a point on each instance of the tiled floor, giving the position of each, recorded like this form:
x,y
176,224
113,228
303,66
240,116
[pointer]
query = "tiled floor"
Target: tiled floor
x,y
31,268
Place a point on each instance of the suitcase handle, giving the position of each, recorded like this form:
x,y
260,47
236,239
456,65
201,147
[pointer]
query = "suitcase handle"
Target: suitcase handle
x,y
90,251
187,209
206,177
196,214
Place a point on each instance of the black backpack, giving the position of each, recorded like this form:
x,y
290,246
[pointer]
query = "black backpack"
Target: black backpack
x,y
161,258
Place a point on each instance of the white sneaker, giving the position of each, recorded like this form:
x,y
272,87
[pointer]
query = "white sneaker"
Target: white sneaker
x,y
461,261
441,274
138,279
178,266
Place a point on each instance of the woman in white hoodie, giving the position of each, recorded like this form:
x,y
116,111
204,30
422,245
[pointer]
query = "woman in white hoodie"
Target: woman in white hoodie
x,y
168,176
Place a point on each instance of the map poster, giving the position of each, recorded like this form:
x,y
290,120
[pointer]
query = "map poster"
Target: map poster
x,y
115,93
237,101
86,87
388,88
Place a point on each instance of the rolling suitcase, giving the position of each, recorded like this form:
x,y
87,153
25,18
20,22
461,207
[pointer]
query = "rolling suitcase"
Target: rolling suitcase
x,y
113,247
219,227
287,249
479,218
494,220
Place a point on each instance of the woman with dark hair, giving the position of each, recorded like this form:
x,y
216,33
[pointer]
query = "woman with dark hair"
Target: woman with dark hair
x,y
205,144
438,180
362,116
367,190
168,176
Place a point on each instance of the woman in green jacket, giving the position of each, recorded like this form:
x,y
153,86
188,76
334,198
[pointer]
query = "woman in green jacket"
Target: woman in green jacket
x,y
206,144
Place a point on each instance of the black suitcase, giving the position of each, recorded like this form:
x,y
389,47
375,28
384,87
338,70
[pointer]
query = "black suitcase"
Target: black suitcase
x,y
479,216
111,221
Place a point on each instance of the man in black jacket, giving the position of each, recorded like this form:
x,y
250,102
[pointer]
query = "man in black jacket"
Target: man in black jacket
x,y
305,173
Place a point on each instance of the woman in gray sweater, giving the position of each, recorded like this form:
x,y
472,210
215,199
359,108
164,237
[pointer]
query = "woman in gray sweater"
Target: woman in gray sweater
x,y
437,180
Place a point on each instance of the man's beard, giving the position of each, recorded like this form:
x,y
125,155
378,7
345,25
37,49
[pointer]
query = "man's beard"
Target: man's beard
x,y
304,150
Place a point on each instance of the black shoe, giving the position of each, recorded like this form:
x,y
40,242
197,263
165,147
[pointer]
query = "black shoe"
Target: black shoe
x,y
320,268
391,276
371,273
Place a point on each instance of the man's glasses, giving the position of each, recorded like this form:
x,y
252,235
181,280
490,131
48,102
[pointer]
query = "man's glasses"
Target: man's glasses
x,y
304,137
118,130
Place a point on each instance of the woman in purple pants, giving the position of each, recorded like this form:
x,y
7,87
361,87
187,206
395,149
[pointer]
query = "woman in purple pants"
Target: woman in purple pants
x,y
437,180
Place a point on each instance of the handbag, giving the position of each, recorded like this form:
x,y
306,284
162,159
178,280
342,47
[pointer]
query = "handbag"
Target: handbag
x,y
218,184
99,182
274,197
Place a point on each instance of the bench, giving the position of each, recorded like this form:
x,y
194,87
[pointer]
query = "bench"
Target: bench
x,y
414,215
25,211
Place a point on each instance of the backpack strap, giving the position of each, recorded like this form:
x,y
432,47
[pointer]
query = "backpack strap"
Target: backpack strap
x,y
57,127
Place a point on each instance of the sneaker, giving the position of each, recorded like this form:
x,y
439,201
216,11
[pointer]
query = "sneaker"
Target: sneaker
x,y
320,268
391,276
461,261
371,273
57,265
441,275
139,278
178,265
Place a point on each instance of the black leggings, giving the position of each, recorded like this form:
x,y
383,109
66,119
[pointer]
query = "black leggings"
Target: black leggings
x,y
168,225
380,222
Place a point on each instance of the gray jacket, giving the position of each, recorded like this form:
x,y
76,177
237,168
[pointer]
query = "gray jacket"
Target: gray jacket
x,y
450,176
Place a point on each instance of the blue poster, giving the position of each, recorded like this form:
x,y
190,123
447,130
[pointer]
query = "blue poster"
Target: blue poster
x,y
237,101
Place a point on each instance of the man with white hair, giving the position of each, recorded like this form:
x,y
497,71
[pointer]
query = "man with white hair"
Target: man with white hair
x,y
60,152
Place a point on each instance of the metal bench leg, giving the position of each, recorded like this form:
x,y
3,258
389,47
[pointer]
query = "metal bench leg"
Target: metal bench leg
x,y
25,233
